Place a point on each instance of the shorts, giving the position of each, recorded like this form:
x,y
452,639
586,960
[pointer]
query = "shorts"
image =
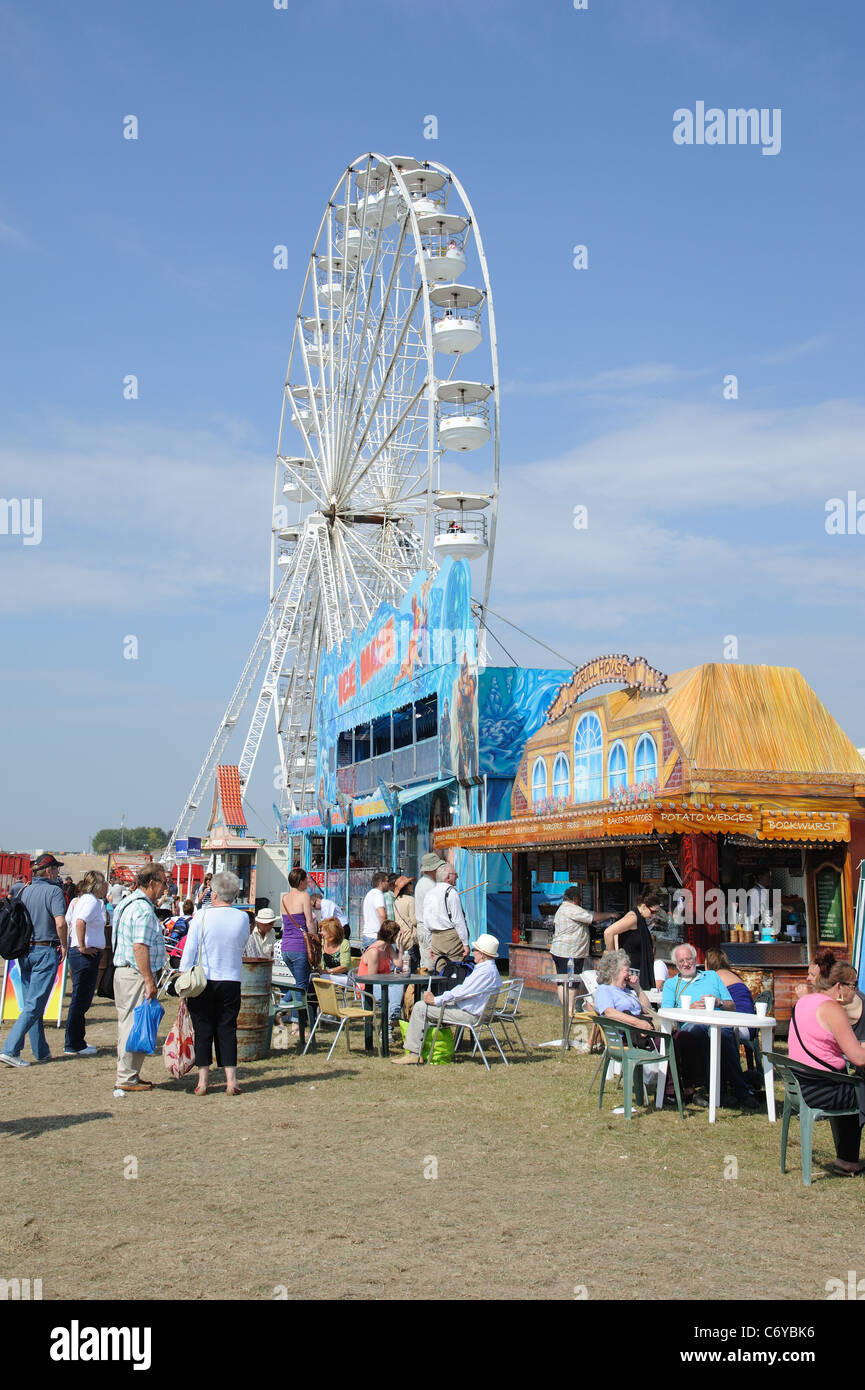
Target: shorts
x,y
562,964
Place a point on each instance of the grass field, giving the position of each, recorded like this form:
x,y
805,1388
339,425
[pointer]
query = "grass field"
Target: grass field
x,y
312,1184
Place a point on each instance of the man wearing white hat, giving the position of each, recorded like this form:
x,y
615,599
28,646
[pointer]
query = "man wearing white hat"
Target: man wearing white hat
x,y
262,939
463,1004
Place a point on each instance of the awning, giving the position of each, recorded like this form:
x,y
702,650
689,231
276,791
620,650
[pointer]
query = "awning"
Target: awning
x,y
422,789
566,828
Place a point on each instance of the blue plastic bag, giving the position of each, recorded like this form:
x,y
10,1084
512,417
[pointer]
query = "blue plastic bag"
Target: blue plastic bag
x,y
145,1026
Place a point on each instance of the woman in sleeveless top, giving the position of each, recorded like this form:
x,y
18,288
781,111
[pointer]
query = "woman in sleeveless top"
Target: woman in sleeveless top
x,y
631,933
297,922
821,1037
384,958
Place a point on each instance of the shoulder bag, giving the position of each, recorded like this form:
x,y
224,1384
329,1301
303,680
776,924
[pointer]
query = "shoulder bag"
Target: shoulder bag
x,y
190,983
105,988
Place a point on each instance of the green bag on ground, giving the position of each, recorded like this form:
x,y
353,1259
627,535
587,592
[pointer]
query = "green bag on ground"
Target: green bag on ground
x,y
444,1045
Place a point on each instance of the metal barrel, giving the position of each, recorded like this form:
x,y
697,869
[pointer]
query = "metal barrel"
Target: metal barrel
x,y
252,1020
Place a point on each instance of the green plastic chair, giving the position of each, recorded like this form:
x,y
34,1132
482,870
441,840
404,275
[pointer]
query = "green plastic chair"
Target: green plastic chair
x,y
791,1073
620,1047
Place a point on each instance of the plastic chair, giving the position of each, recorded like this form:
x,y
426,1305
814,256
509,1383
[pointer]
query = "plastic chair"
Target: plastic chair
x,y
621,1047
329,1005
791,1073
505,1015
484,1021
344,997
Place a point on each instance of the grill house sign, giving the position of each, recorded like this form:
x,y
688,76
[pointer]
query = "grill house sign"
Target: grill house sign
x,y
633,672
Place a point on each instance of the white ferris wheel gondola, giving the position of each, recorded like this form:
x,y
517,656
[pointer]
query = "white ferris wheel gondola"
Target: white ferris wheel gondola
x,y
361,390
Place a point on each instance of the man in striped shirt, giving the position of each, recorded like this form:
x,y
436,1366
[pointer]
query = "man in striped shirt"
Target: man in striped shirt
x,y
139,955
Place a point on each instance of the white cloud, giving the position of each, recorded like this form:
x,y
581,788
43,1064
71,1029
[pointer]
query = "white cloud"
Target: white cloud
x,y
135,516
616,380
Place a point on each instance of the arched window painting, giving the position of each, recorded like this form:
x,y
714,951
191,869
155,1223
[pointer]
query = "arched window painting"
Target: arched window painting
x,y
617,769
539,781
561,778
646,761
588,760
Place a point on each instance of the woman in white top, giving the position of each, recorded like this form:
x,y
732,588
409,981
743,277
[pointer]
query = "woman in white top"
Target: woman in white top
x,y
217,936
86,920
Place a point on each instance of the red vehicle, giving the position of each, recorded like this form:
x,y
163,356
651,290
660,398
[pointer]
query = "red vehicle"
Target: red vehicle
x,y
125,865
13,869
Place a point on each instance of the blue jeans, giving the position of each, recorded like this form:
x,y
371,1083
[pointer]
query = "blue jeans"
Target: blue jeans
x,y
38,969
394,999
299,967
84,972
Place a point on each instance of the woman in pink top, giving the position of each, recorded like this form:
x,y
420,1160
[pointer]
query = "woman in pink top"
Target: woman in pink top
x,y
821,1038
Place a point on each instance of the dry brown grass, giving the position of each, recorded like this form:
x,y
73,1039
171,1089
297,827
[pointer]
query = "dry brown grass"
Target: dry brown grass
x,y
313,1181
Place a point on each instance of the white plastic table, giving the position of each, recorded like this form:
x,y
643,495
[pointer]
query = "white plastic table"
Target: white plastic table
x,y
714,1020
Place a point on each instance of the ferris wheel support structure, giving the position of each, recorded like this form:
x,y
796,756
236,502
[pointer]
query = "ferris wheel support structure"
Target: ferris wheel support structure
x,y
375,418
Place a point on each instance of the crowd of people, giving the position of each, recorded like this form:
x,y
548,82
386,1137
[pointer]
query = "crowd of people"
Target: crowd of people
x,y
106,927
111,929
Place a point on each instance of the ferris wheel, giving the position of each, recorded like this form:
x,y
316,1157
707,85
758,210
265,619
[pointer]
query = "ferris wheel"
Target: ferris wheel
x,y
392,373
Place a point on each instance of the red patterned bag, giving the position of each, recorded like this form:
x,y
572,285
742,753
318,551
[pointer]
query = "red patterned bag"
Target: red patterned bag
x,y
177,1050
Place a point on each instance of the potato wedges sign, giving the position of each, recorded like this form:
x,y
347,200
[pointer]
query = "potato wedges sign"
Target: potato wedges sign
x,y
633,672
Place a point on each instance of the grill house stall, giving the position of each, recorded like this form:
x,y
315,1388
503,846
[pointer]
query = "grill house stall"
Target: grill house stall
x,y
731,788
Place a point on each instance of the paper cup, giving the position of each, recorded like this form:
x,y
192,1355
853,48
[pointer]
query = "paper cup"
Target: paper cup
x,y
685,1002
708,1001
761,1008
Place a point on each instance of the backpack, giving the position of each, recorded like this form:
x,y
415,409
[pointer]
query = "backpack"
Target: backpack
x,y
16,928
449,973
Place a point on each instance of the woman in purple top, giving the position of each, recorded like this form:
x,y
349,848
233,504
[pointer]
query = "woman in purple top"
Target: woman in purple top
x,y
297,922
739,992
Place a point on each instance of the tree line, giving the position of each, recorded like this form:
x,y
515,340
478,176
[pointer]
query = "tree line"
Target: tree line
x,y
148,837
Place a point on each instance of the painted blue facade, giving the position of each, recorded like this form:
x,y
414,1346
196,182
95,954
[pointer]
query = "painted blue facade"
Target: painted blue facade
x,y
412,737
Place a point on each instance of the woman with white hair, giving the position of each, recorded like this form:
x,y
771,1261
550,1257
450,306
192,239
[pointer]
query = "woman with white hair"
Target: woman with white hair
x,y
217,936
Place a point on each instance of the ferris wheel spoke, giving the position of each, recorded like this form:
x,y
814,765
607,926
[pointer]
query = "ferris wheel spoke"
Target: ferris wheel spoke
x,y
352,423
379,251
366,464
353,539
358,443
341,531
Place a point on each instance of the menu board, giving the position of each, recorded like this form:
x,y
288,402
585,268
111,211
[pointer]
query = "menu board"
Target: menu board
x,y
587,897
612,865
614,898
545,868
651,870
830,907
579,865
594,858
560,863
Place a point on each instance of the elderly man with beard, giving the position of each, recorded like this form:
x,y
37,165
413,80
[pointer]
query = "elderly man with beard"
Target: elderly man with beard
x,y
692,1040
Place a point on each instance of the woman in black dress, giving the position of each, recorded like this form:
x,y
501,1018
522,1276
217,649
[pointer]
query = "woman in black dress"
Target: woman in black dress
x,y
631,933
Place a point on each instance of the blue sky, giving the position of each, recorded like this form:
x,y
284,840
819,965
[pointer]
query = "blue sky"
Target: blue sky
x,y
154,257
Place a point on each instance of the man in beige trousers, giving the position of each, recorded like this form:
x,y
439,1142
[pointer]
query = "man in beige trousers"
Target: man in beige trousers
x,y
139,955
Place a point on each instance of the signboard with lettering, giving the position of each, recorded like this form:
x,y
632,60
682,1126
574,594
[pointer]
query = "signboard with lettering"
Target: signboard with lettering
x,y
633,672
830,903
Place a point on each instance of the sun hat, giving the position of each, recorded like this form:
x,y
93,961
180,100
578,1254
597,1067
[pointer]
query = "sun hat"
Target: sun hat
x,y
266,915
401,883
488,944
430,862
